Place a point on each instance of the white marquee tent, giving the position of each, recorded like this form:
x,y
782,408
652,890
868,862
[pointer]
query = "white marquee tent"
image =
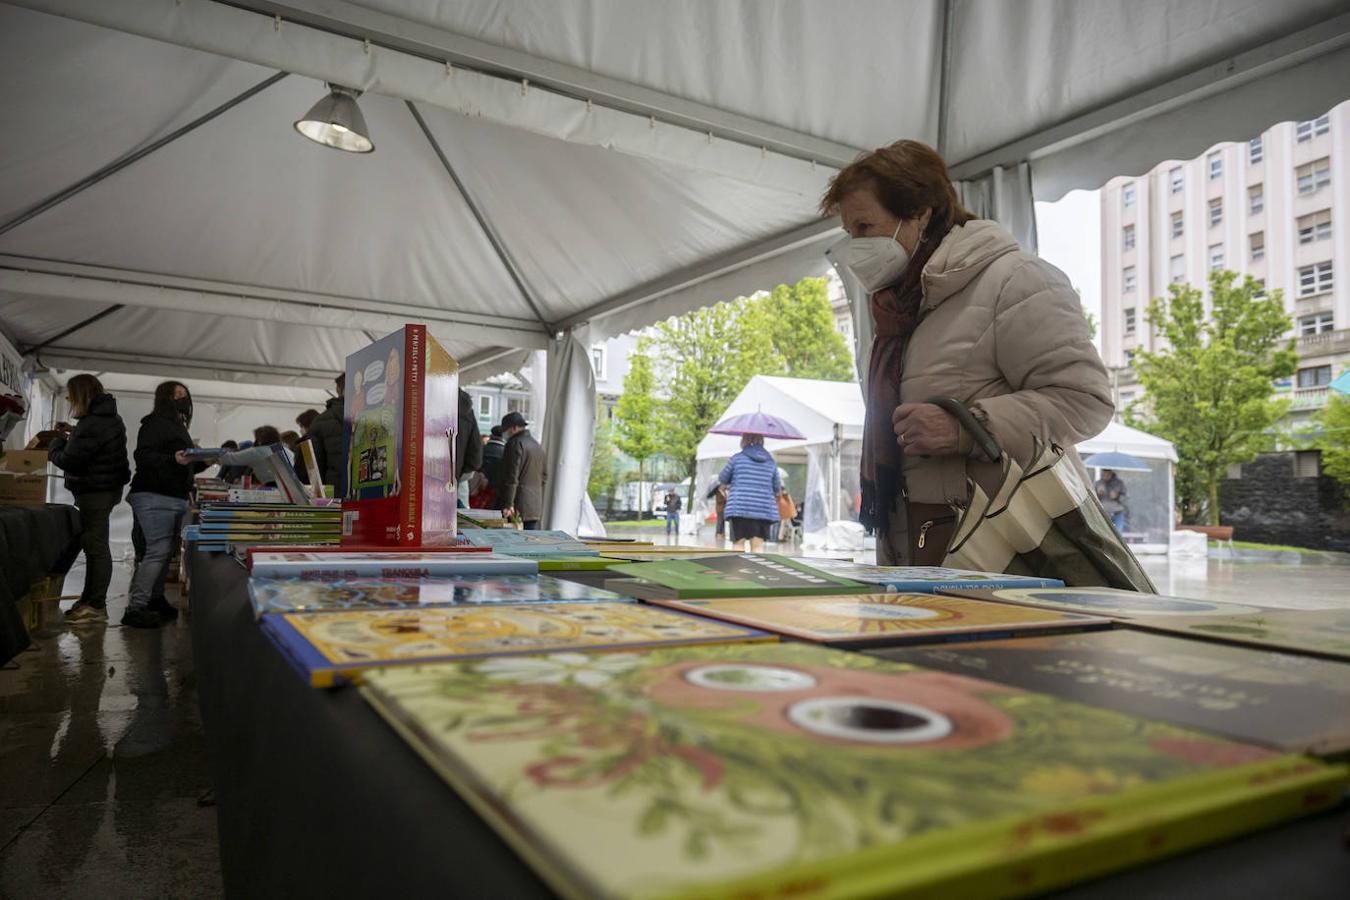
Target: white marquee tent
x,y
1151,495
548,174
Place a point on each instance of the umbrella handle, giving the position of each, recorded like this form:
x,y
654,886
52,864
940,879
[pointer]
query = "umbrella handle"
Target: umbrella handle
x,y
957,410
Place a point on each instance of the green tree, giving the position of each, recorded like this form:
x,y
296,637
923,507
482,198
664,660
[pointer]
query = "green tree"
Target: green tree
x,y
800,325
704,359
637,428
604,478
1210,390
1334,441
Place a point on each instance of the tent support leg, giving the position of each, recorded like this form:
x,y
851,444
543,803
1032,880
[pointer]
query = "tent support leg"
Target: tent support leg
x,y
118,165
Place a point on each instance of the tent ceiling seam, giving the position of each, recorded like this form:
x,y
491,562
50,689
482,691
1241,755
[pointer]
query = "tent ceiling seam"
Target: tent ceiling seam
x,y
78,326
128,159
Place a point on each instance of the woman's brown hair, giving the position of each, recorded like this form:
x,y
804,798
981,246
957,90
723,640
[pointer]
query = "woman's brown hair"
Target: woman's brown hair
x,y
81,391
906,177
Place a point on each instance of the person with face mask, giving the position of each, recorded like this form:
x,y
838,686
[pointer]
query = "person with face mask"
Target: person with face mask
x,y
961,311
159,500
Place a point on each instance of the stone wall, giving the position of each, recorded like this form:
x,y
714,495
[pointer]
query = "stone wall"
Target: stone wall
x,y
1270,505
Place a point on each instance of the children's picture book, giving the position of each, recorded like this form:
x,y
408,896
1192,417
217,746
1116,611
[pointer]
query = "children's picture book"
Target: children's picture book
x,y
855,620
401,411
318,566
1320,632
290,594
923,579
334,646
528,543
732,575
1295,703
782,770
1104,601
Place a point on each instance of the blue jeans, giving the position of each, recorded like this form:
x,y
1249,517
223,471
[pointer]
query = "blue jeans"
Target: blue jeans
x,y
1118,520
672,519
160,519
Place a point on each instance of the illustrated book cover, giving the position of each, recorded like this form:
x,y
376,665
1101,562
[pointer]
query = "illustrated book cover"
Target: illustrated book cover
x,y
388,564
792,770
1103,601
732,575
923,579
401,411
1294,703
1322,632
528,543
270,595
330,647
879,619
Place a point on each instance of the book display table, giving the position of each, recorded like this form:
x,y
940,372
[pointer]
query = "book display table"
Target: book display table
x,y
317,795
34,541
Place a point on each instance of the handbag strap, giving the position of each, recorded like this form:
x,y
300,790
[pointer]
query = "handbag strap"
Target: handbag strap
x,y
957,410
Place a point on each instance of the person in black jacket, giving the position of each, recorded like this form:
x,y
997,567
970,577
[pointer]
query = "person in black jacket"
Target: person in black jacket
x,y
468,441
325,432
159,499
493,451
94,458
524,472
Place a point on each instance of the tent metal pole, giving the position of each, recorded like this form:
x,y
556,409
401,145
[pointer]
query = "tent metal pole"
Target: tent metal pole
x,y
945,74
118,165
85,323
488,231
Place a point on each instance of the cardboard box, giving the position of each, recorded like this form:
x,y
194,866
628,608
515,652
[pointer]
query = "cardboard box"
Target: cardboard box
x,y
23,490
401,408
24,462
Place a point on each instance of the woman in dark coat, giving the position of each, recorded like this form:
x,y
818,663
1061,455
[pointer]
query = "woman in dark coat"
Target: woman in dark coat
x,y
94,458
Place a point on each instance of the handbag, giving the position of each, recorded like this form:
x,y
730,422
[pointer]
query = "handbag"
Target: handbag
x,y
1041,520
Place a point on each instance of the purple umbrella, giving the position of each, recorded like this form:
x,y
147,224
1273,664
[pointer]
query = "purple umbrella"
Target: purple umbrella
x,y
757,423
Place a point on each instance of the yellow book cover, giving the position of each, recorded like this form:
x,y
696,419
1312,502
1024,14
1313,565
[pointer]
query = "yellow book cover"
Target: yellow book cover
x,y
791,770
876,619
329,647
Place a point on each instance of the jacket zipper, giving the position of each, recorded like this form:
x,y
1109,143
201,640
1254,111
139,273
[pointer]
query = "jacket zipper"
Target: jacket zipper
x,y
923,529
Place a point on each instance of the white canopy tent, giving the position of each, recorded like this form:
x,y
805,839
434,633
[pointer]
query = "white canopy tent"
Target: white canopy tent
x,y
548,174
1151,495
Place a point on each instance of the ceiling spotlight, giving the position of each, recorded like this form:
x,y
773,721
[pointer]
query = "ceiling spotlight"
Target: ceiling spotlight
x,y
336,121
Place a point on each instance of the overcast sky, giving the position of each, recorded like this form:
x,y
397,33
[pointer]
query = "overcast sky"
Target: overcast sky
x,y
1069,235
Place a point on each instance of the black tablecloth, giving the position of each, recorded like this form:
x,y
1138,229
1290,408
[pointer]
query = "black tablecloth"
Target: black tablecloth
x,y
34,541
316,795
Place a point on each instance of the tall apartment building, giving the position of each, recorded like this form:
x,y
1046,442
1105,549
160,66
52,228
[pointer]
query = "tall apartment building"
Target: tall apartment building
x,y
1274,207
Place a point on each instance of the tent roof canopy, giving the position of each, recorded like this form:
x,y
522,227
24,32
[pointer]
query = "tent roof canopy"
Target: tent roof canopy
x,y
541,166
1121,438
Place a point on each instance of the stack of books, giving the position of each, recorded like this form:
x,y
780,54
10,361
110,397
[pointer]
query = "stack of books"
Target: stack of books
x,y
224,526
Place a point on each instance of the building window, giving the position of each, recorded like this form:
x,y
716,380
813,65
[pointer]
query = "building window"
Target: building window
x,y
1127,280
1177,179
1307,463
1129,320
1215,211
1215,166
1318,323
1260,292
1177,225
1314,227
1313,128
1127,237
1215,257
1256,150
1256,244
518,404
1127,196
598,360
1314,175
1256,199
1315,279
1129,356
1315,376
484,407
1177,268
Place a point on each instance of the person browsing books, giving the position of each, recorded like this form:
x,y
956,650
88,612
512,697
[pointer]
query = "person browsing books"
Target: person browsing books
x,y
159,500
752,481
94,458
523,475
325,432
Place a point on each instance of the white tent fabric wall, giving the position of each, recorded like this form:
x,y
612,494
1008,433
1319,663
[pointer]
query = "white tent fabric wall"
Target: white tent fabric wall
x,y
569,431
1151,495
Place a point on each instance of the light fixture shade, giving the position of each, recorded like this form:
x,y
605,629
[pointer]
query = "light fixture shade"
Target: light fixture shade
x,y
336,121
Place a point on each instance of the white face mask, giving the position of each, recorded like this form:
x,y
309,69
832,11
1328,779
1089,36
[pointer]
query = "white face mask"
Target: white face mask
x,y
877,262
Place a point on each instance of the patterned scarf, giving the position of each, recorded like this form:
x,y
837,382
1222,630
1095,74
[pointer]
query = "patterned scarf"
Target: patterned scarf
x,y
896,316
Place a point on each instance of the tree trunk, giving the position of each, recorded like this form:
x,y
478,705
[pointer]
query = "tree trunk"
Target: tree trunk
x,y
642,489
1214,502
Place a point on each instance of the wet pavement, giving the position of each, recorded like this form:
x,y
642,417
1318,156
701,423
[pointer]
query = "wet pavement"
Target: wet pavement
x,y
103,764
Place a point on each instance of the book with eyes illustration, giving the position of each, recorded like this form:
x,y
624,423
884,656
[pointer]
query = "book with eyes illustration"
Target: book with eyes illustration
x,y
729,575
1319,632
924,579
1281,700
855,620
777,770
1103,601
330,647
279,595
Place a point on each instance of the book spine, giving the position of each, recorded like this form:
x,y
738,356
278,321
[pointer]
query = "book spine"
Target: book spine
x,y
414,379
319,571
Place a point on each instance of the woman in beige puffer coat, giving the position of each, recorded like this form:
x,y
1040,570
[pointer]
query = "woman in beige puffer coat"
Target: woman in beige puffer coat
x,y
961,311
